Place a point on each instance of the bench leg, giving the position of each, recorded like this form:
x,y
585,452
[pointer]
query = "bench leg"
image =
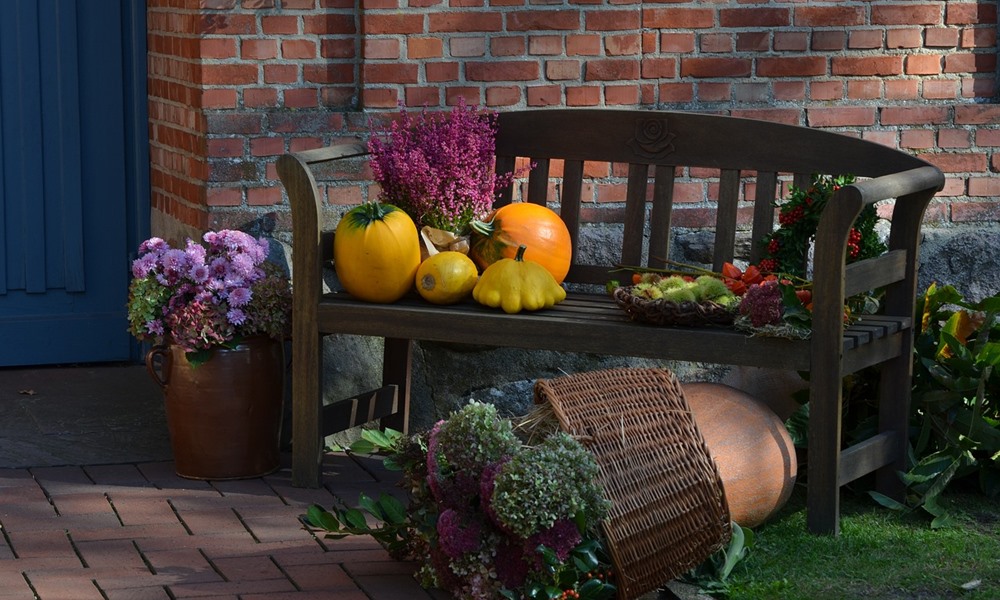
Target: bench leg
x,y
307,448
397,359
894,416
823,493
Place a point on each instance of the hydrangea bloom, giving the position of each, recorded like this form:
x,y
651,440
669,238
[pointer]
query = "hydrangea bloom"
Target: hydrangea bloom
x,y
207,294
763,304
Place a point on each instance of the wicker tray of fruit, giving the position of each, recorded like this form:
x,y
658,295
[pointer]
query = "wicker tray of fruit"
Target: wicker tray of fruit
x,y
677,300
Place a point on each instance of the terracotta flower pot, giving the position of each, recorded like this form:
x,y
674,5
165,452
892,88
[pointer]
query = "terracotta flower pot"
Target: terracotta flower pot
x,y
224,415
750,445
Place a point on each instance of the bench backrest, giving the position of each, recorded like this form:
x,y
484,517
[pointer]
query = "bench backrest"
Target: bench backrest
x,y
732,158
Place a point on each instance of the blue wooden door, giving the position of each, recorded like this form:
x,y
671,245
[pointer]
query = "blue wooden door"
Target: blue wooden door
x,y
72,177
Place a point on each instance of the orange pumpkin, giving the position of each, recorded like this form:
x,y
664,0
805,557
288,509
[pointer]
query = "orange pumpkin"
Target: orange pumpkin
x,y
523,224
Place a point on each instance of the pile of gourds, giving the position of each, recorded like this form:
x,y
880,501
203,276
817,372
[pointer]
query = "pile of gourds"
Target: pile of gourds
x,y
517,258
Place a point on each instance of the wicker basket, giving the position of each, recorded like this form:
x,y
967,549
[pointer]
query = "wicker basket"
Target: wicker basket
x,y
669,511
662,312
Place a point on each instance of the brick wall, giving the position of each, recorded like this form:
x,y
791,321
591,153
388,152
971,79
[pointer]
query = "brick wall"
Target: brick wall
x,y
235,83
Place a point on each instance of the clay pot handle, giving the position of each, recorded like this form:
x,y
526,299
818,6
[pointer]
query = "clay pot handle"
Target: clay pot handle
x,y
163,354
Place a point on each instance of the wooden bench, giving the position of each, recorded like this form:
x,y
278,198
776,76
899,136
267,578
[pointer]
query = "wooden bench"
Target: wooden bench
x,y
732,153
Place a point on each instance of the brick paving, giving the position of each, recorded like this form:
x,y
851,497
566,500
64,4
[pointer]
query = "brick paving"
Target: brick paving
x,y
140,532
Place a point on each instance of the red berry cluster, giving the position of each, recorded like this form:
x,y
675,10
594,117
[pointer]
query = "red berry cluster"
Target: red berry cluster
x,y
773,246
768,265
853,243
791,216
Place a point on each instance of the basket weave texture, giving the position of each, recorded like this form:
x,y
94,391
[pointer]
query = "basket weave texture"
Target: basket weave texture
x,y
662,312
668,508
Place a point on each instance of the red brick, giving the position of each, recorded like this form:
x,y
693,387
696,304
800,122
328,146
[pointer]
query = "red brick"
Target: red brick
x,y
464,22
788,66
279,24
503,96
281,73
544,95
225,147
970,13
903,38
298,49
962,212
886,138
583,45
940,37
758,16
659,68
612,20
622,45
715,92
954,138
828,41
902,89
910,13
791,41
841,116
977,114
543,20
826,90
501,46
969,63
716,43
337,48
583,95
417,47
676,92
330,24
397,24
678,18
913,115
562,69
441,72
940,89
217,48
789,90
923,64
867,65
219,98
917,139
750,92
611,70
328,73
228,24
958,163
502,71
715,67
828,16
301,98
618,95
978,38
228,74
978,87
423,96
379,98
753,41
864,39
987,137
544,45
470,95
381,49
864,89
677,42
258,49
390,73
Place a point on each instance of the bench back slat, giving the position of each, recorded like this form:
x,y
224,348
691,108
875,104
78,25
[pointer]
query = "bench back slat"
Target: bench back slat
x,y
571,200
659,216
765,194
728,212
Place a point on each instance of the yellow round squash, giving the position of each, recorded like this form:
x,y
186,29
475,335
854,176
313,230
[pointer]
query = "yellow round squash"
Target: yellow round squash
x,y
376,252
446,277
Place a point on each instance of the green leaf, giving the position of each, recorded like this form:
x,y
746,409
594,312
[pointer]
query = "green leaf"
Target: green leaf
x,y
362,446
887,502
368,504
355,518
319,517
393,509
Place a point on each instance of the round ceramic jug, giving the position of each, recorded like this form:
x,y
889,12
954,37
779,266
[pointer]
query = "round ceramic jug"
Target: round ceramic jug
x,y
224,415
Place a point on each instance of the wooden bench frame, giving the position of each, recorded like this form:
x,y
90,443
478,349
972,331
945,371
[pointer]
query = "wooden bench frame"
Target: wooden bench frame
x,y
737,150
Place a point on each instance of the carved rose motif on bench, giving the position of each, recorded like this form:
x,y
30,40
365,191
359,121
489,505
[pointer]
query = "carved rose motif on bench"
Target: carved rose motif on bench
x,y
652,139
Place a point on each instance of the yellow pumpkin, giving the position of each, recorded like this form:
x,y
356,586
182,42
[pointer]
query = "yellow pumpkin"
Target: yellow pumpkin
x,y
515,284
538,227
446,277
376,252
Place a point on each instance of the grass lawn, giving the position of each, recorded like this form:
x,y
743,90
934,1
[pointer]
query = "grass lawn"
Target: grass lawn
x,y
880,554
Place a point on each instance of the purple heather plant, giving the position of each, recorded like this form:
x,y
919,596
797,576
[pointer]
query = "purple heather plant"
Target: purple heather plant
x,y
207,295
439,167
